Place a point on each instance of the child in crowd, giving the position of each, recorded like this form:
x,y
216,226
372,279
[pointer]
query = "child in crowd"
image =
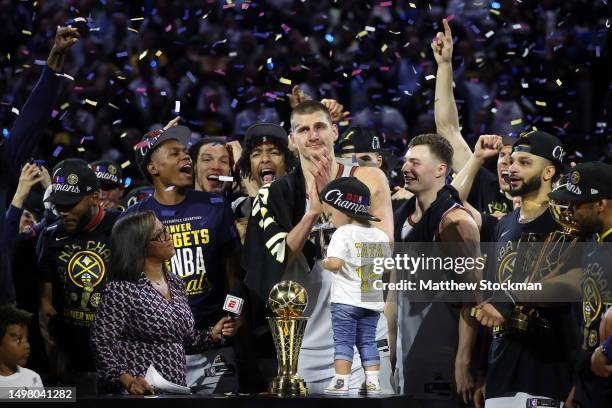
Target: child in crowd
x,y
15,351
355,304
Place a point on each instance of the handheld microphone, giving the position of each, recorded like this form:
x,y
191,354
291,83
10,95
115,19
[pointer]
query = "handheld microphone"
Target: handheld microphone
x,y
233,305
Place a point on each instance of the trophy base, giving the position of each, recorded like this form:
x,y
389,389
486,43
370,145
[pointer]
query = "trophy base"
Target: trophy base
x,y
293,386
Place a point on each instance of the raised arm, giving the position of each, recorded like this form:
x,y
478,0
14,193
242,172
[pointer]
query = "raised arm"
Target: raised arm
x,y
445,109
34,116
487,146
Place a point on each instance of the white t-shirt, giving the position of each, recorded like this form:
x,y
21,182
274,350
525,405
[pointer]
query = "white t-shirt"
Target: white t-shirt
x,y
24,378
358,245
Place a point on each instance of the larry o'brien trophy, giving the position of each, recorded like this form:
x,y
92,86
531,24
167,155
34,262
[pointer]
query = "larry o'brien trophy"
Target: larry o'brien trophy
x,y
542,257
288,300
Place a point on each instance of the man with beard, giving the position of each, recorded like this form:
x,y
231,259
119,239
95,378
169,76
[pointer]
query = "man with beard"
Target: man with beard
x,y
111,183
202,229
74,254
533,369
435,336
279,243
589,193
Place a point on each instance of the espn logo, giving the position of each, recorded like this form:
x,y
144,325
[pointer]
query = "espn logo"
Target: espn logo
x,y
233,304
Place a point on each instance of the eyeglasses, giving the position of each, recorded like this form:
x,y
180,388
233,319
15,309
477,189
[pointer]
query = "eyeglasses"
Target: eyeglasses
x,y
162,236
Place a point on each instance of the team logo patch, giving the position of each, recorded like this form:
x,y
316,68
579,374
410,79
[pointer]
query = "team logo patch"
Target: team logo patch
x,y
72,179
593,338
86,268
375,143
591,304
506,267
112,169
575,177
95,299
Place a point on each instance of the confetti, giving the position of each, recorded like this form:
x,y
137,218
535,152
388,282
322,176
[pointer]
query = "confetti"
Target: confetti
x,y
383,48
133,30
136,18
177,106
540,103
490,34
430,77
158,53
285,81
57,151
15,110
143,54
370,29
26,32
558,81
516,122
125,164
412,5
362,33
81,149
90,102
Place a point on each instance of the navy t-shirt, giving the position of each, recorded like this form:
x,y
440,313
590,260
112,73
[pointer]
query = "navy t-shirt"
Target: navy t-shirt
x,y
529,363
596,284
203,234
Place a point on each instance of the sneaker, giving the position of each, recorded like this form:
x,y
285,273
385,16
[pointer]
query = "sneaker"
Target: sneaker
x,y
337,386
369,388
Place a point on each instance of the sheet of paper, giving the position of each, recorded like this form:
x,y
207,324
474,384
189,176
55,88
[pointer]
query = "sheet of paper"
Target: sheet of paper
x,y
162,385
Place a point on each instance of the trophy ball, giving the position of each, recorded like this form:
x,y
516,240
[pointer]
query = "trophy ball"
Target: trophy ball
x,y
288,299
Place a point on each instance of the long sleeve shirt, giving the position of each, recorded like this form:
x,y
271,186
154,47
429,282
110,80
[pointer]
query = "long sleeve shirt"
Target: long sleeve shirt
x,y
135,327
14,151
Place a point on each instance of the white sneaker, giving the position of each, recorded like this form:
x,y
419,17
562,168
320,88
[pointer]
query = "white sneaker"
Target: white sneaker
x,y
338,386
370,387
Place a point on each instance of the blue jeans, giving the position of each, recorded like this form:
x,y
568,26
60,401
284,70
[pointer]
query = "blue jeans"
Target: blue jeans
x,y
355,326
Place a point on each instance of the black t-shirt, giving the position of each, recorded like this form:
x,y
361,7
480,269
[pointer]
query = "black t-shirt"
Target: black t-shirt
x,y
486,196
530,363
596,284
77,266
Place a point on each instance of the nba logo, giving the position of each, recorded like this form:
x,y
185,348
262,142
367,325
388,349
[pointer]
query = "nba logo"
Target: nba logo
x,y
233,304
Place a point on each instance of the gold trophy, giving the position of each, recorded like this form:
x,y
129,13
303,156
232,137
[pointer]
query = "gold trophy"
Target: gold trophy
x,y
288,300
545,262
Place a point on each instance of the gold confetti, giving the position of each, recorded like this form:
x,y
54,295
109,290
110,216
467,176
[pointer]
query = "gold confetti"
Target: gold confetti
x,y
121,77
81,149
143,54
383,48
363,33
113,106
412,5
131,29
540,103
285,81
90,102
136,18
26,32
64,105
516,122
158,53
496,12
558,82
125,164
124,134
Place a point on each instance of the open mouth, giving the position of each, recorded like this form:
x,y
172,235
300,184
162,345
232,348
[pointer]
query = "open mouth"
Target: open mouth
x,y
409,179
267,175
505,175
187,169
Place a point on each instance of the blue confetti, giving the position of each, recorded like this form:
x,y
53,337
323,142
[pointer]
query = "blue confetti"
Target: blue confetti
x,y
329,38
127,181
495,5
57,151
153,64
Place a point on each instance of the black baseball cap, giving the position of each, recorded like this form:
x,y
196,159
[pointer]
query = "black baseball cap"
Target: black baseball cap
x,y
265,133
358,139
109,174
138,194
71,180
586,182
153,139
508,140
350,196
540,144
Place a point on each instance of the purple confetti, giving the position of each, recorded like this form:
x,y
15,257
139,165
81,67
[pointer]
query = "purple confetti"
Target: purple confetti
x,y
57,151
